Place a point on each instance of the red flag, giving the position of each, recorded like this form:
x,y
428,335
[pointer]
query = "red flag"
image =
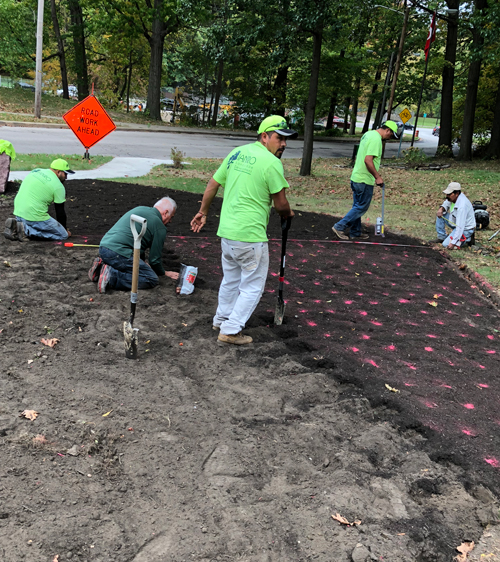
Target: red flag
x,y
431,37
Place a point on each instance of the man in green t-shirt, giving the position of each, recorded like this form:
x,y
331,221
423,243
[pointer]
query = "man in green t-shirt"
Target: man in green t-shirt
x,y
113,268
39,189
364,176
253,179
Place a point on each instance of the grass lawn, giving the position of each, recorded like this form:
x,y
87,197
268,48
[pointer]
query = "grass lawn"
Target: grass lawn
x,y
28,162
412,197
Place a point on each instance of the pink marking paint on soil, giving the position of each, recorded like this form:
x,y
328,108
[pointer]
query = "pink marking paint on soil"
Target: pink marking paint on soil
x,y
376,323
311,323
363,313
431,336
464,335
372,362
495,463
348,302
317,301
428,403
481,385
491,337
439,322
412,294
428,349
455,303
477,315
351,262
457,349
331,311
450,363
373,302
304,310
365,337
468,431
327,335
368,272
317,283
386,294
359,294
303,261
334,292
412,323
443,385
271,290
390,348
490,351
410,384
403,301
398,264
468,406
274,274
355,349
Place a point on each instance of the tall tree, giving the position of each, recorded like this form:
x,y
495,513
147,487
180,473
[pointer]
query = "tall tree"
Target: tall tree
x,y
78,31
60,49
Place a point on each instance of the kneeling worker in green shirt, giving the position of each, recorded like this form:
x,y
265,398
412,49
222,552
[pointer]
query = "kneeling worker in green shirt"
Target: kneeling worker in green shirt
x,y
39,189
253,179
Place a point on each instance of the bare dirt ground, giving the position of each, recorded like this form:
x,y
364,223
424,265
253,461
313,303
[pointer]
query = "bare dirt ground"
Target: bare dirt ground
x,y
206,452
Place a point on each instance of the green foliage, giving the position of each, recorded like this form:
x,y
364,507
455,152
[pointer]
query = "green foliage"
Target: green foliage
x,y
177,157
414,157
444,151
335,132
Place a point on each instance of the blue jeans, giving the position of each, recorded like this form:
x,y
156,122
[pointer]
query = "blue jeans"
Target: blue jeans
x,y
121,271
442,223
362,194
49,229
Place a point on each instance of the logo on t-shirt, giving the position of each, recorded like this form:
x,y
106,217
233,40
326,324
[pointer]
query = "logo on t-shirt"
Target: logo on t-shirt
x,y
233,158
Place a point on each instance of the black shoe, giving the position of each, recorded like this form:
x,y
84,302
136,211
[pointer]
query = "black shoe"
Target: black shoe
x,y
10,231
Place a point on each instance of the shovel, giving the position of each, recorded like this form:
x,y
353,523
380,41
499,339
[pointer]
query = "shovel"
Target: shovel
x,y
129,332
379,228
280,307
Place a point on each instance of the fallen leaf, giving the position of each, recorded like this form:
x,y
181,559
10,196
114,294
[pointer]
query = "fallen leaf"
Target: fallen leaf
x,y
7,263
107,414
435,297
29,414
40,440
30,361
433,303
391,389
49,342
464,550
344,521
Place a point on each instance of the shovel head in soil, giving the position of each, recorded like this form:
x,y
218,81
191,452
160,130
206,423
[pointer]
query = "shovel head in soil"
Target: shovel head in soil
x,y
280,306
131,334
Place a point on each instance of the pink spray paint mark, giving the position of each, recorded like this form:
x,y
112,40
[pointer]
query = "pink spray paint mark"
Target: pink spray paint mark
x,y
423,312
393,284
492,461
311,323
429,349
334,292
464,335
468,431
319,271
365,337
398,264
368,272
355,349
457,349
418,273
410,366
327,335
439,322
300,291
317,283
490,351
271,291
376,323
477,314
274,274
386,294
443,385
468,406
403,301
372,362
363,313
431,336
304,261
317,301
481,385
412,294
454,303
351,262
348,302
430,404
491,337
450,363
373,302
361,294
390,348
410,384
303,311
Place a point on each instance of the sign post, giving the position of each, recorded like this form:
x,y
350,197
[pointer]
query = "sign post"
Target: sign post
x,y
405,116
90,122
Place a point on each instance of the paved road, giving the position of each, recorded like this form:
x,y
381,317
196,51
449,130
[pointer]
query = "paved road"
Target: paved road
x,y
158,145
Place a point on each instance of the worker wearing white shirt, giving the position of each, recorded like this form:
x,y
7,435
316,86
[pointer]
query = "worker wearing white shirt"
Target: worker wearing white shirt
x,y
456,212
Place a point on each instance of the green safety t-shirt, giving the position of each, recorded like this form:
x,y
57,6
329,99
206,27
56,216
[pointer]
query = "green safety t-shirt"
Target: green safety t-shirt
x,y
120,239
39,189
370,145
250,174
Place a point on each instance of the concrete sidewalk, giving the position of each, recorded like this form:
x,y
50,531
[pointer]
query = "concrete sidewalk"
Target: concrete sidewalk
x,y
119,167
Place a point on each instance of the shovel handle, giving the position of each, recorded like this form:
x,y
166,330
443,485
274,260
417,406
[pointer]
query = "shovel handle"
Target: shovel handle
x,y
286,223
137,255
138,235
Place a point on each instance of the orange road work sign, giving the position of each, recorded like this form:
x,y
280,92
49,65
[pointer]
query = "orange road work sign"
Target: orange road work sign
x,y
89,121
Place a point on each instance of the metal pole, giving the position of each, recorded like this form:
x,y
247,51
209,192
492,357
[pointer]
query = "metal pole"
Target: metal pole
x,y
387,80
39,48
400,141
420,100
398,61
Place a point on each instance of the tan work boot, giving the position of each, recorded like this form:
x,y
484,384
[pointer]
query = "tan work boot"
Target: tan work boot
x,y
236,339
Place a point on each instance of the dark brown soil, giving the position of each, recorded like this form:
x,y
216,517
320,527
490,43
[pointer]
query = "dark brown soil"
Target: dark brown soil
x,y
207,452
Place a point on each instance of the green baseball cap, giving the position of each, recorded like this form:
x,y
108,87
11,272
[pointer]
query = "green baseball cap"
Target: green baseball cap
x,y
277,123
393,126
62,165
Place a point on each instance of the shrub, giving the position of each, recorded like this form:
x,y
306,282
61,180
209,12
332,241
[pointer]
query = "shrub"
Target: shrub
x,y
414,157
444,151
177,156
335,132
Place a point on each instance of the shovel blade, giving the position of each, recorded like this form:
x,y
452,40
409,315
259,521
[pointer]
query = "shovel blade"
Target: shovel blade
x,y
279,313
131,336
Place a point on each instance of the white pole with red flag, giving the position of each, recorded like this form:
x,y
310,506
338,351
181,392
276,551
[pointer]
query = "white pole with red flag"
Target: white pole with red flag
x,y
431,37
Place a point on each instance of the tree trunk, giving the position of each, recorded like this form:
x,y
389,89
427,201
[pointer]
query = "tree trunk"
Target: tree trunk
x,y
218,90
493,150
204,99
156,41
60,50
78,30
129,81
465,152
333,101
280,91
354,113
346,114
450,56
305,166
366,126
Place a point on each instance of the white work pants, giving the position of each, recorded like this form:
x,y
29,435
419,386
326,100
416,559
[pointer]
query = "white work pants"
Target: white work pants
x,y
245,266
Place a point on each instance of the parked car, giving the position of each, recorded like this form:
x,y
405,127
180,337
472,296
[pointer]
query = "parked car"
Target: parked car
x,y
405,126
436,130
25,85
72,91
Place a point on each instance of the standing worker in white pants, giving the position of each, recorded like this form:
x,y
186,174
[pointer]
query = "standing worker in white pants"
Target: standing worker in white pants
x,y
253,178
